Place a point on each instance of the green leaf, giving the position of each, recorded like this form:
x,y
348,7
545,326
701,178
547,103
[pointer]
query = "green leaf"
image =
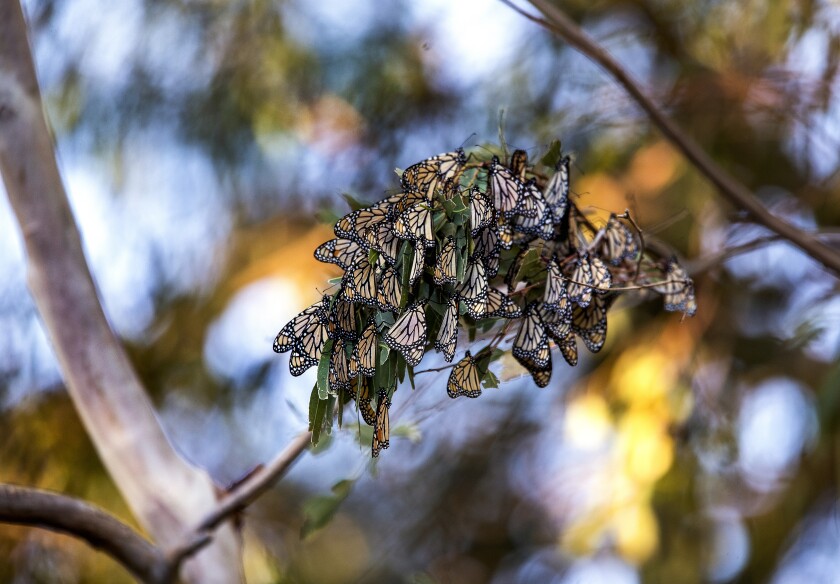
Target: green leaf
x,y
324,370
328,216
355,204
460,204
385,375
490,380
320,415
552,155
319,511
408,430
410,370
313,406
448,207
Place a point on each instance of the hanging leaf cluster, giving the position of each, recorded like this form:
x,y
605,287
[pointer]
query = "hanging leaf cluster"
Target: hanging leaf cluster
x,y
471,245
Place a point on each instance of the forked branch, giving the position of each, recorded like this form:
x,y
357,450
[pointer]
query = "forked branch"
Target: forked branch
x,y
739,195
38,508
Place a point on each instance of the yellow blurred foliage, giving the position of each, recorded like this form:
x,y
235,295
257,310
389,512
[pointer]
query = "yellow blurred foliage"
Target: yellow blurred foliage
x,y
257,564
642,375
647,399
609,193
636,532
644,445
651,170
289,258
588,422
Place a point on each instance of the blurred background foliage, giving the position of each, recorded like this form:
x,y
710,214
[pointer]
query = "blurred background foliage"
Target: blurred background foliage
x,y
201,141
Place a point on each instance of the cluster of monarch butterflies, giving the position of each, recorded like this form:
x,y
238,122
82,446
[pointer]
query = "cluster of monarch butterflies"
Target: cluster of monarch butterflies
x,y
466,244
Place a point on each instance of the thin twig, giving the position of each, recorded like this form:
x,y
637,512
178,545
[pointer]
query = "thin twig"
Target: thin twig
x,y
238,498
246,492
704,264
57,512
739,195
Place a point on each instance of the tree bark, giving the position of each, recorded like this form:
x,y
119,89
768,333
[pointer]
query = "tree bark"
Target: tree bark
x,y
168,495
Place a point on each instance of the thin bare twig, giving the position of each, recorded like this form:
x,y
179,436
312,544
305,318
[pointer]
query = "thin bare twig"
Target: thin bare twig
x,y
245,493
57,512
739,195
704,264
237,499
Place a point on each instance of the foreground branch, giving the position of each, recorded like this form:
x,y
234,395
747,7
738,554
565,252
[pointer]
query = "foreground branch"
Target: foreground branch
x,y
37,508
166,494
556,21
241,496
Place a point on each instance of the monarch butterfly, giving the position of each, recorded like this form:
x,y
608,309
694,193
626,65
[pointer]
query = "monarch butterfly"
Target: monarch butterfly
x,y
382,425
601,277
508,237
481,211
499,305
364,354
530,347
359,282
340,252
445,265
541,226
556,298
590,323
415,224
343,319
519,163
557,190
354,226
473,290
383,239
531,203
580,286
307,350
677,289
464,379
487,247
505,188
568,348
448,334
388,293
408,334
619,243
295,329
388,202
557,324
339,374
541,376
426,174
512,278
450,163
361,393
417,262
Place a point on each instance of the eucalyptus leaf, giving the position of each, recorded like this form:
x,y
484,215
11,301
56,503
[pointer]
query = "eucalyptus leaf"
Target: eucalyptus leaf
x,y
318,511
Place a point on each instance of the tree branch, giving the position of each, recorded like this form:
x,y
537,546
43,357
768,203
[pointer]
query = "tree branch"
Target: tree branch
x,y
167,494
556,21
241,496
38,508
